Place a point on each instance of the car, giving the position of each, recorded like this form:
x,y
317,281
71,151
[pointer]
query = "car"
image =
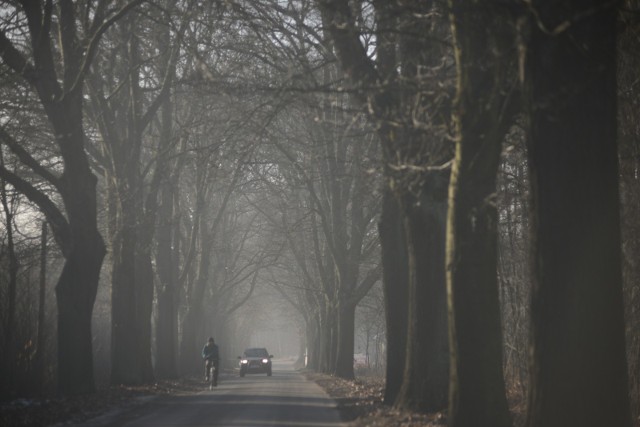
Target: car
x,y
255,361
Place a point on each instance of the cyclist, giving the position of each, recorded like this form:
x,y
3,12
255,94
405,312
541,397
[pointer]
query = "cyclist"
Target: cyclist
x,y
211,357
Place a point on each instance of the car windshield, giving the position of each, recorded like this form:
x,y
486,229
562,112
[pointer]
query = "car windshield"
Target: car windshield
x,y
256,352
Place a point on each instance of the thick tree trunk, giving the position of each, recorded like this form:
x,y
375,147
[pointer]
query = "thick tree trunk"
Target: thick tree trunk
x,y
125,354
167,320
189,347
166,334
39,362
144,302
483,36
477,395
426,374
312,344
75,293
9,332
579,374
396,288
324,347
346,341
132,282
78,283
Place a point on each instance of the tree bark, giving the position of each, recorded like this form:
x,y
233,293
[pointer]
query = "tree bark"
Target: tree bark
x,y
578,374
125,355
167,321
346,340
166,263
144,309
396,288
426,372
312,344
482,44
78,283
39,362
189,347
9,332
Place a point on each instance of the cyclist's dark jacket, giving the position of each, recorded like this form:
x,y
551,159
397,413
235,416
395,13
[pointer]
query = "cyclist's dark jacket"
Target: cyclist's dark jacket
x,y
210,351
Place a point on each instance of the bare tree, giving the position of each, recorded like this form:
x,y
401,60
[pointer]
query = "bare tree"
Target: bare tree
x,y
56,67
126,93
8,210
410,112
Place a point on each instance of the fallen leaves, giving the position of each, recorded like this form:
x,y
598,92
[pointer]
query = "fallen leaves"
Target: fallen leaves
x,y
360,402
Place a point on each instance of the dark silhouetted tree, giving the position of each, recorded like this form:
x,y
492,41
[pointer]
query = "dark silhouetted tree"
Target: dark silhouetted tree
x,y
579,371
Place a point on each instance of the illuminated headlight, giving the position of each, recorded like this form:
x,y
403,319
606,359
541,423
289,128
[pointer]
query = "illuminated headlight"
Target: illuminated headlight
x,y
244,361
265,360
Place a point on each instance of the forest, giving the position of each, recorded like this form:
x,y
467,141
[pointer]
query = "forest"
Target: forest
x,y
450,188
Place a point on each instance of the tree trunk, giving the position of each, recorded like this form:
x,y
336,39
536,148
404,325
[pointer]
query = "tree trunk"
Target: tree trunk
x,y
579,374
426,372
10,327
125,355
75,304
395,286
482,35
167,320
144,302
324,347
78,283
312,344
77,286
189,351
39,362
166,334
346,341
303,344
478,395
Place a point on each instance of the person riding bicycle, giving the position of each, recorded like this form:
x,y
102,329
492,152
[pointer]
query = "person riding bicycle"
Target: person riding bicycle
x,y
211,357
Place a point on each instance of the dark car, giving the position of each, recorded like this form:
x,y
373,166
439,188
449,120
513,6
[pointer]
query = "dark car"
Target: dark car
x,y
255,361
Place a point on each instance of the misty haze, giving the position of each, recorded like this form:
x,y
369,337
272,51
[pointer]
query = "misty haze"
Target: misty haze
x,y
320,213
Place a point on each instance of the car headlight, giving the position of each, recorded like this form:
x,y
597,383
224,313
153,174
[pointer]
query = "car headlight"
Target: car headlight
x,y
244,361
265,360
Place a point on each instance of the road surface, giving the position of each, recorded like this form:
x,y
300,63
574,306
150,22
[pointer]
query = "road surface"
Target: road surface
x,y
284,399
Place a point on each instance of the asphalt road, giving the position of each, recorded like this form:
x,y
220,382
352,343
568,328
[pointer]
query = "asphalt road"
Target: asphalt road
x,y
284,399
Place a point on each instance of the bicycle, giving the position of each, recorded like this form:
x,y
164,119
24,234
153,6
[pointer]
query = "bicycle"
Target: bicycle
x,y
211,368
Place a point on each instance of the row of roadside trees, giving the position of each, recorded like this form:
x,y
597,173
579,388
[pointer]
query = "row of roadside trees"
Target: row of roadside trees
x,y
317,148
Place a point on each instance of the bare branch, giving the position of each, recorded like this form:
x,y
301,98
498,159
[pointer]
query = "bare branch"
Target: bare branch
x,y
95,40
56,219
15,60
27,159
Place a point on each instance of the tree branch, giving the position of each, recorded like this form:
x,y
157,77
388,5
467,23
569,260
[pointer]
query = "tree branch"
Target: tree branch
x,y
14,60
367,283
56,219
28,160
95,39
